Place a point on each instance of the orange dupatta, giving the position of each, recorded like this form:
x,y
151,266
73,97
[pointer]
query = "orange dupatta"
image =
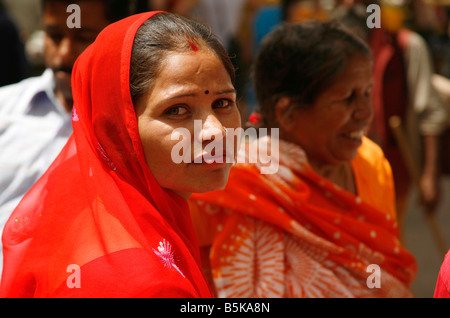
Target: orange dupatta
x,y
296,234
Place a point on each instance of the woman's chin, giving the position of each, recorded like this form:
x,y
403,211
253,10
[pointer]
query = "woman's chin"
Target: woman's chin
x,y
214,183
218,182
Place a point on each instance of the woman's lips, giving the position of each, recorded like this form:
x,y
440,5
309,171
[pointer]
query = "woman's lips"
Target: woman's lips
x,y
209,159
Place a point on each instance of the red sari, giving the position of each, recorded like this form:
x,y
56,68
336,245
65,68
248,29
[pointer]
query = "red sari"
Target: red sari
x,y
97,224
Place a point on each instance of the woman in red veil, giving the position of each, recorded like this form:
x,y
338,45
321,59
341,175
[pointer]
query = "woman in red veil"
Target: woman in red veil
x,y
110,218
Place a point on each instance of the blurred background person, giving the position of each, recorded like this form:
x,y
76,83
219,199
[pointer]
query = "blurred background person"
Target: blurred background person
x,y
403,70
14,65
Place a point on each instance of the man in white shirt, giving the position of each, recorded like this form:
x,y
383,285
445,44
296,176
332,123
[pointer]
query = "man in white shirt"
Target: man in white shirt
x,y
35,114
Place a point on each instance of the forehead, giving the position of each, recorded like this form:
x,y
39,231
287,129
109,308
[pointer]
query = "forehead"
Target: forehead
x,y
358,71
191,66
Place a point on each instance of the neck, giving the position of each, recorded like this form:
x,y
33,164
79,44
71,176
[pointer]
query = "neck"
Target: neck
x,y
340,174
66,102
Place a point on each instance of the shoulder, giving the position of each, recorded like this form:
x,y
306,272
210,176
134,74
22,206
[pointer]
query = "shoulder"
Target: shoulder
x,y
372,161
374,177
371,152
412,41
132,272
14,98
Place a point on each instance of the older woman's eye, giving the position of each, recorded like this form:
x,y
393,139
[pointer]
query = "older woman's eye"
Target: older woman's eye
x,y
176,111
349,98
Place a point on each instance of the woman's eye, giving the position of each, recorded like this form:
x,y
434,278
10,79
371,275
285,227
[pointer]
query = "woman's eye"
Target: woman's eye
x,y
176,111
223,103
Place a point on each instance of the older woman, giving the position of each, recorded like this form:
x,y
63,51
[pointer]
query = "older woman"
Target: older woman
x,y
324,225
110,217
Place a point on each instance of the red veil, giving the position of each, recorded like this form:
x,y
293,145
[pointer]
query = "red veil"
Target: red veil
x,y
97,224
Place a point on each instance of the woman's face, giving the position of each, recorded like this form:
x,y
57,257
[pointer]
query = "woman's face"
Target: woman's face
x,y
191,86
331,129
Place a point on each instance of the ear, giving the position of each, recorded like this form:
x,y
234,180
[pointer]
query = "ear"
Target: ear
x,y
284,114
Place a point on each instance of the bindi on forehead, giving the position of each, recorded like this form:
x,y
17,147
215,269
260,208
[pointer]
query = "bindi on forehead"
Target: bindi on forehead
x,y
193,46
206,92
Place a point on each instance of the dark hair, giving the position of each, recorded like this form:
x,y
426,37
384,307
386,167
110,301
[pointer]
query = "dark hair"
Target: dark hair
x,y
301,61
163,33
115,10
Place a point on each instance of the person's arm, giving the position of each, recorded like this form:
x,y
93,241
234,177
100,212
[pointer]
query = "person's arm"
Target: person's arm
x,y
429,180
431,115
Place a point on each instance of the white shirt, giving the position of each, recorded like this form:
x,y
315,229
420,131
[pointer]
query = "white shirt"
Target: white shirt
x,y
34,127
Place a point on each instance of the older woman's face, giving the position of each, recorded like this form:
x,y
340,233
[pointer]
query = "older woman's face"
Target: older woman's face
x,y
331,130
192,86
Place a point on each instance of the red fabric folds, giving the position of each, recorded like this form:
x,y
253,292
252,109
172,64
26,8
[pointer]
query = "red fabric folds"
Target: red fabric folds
x,y
98,208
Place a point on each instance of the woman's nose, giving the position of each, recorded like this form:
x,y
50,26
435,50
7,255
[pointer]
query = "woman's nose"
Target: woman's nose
x,y
364,109
212,129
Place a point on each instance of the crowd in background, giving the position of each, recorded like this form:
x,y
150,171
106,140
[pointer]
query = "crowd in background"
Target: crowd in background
x,y
240,24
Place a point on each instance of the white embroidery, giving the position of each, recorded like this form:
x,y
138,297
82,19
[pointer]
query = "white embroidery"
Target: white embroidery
x,y
165,253
75,114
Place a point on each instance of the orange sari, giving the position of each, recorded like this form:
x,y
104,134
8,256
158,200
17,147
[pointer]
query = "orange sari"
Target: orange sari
x,y
296,234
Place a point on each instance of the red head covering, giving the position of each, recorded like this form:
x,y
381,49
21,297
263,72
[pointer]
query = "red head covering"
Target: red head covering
x,y
97,224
